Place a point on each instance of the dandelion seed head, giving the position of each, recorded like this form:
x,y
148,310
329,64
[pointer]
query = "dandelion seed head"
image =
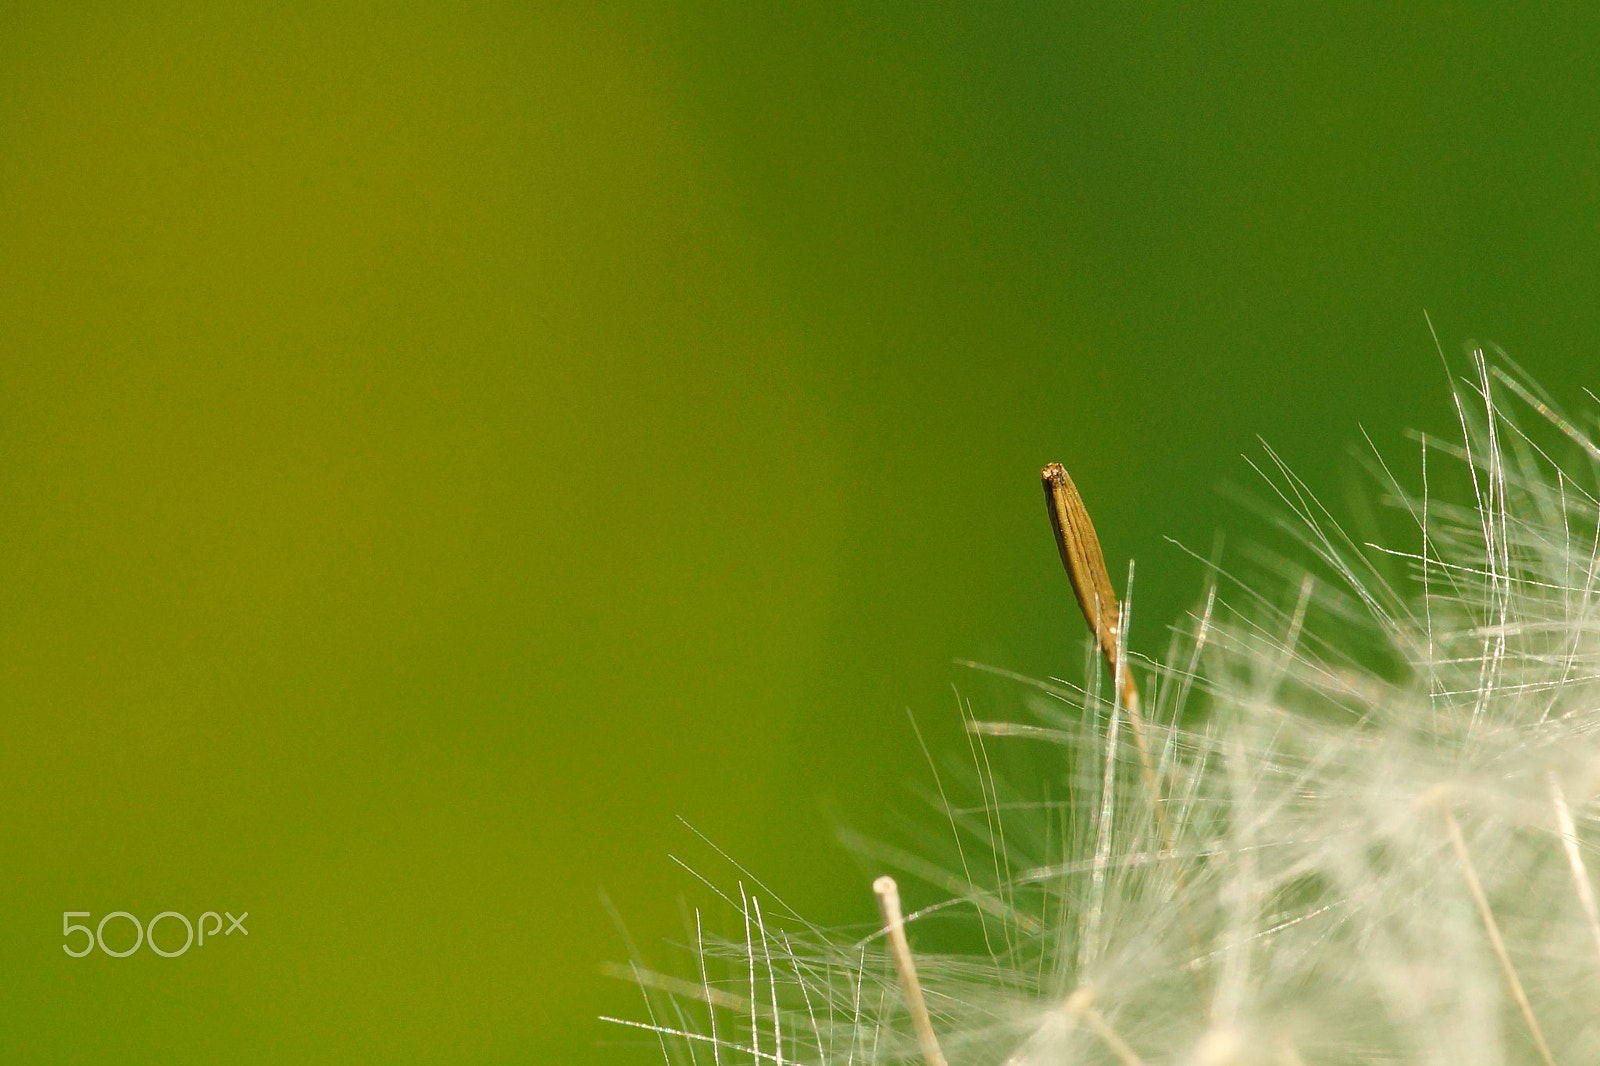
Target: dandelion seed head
x,y
1350,817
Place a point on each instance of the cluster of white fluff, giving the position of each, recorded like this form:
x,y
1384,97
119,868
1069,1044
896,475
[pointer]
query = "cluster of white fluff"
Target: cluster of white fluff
x,y
1370,839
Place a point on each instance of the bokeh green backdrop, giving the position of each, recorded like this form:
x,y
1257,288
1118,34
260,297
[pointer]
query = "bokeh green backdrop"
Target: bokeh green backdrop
x,y
440,444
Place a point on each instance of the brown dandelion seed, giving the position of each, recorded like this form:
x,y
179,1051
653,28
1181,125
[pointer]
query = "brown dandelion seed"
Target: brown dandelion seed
x,y
1086,569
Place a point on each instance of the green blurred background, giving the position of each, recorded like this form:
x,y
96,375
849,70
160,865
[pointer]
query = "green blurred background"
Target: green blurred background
x,y
440,445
